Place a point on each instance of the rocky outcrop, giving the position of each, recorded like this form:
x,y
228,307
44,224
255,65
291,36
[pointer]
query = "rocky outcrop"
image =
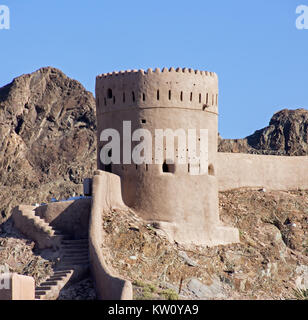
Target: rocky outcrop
x,y
47,138
287,134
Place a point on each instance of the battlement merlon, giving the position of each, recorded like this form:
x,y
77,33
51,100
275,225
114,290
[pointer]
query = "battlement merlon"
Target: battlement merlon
x,y
158,71
173,88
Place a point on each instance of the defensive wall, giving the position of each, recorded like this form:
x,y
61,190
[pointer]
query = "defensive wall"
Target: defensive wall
x,y
238,170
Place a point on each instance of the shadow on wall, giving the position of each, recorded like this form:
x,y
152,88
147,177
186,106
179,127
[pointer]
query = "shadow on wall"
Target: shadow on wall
x,y
69,217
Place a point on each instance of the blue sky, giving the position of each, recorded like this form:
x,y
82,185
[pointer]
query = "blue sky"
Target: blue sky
x,y
254,47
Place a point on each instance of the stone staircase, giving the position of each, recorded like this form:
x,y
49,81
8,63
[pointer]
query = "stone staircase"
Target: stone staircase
x,y
72,255
74,261
50,289
36,228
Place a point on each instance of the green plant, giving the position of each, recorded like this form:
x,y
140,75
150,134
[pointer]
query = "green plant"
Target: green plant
x,y
170,294
301,294
146,295
139,283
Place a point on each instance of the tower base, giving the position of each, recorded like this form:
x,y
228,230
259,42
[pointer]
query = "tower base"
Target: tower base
x,y
188,235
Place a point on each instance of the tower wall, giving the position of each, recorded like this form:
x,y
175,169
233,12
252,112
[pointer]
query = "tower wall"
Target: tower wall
x,y
185,205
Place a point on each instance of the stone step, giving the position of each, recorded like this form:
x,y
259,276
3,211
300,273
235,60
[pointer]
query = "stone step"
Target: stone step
x,y
50,283
61,267
75,241
76,250
84,255
74,247
66,271
74,256
60,274
43,288
56,278
77,263
40,292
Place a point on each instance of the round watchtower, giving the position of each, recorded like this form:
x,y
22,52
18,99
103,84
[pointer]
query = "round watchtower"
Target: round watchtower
x,y
183,204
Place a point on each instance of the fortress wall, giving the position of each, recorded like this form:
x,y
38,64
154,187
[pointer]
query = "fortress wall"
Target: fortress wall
x,y
14,286
236,170
106,195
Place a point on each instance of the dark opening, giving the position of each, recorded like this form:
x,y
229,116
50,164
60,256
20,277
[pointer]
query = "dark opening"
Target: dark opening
x,y
211,170
143,121
109,93
143,97
191,96
157,94
181,96
113,100
199,97
207,99
168,167
123,96
108,167
133,96
169,94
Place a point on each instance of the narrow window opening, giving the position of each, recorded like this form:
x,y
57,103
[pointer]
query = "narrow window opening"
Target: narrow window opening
x,y
199,97
105,102
168,167
109,93
211,170
123,96
191,96
133,96
169,94
108,167
181,96
146,167
136,166
188,167
207,99
157,94
143,97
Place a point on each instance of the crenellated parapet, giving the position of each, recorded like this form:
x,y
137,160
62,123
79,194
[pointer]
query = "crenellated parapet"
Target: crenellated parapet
x,y
167,88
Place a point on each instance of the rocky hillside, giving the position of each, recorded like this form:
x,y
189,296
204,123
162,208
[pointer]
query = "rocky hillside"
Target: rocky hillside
x,y
270,262
286,134
47,138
